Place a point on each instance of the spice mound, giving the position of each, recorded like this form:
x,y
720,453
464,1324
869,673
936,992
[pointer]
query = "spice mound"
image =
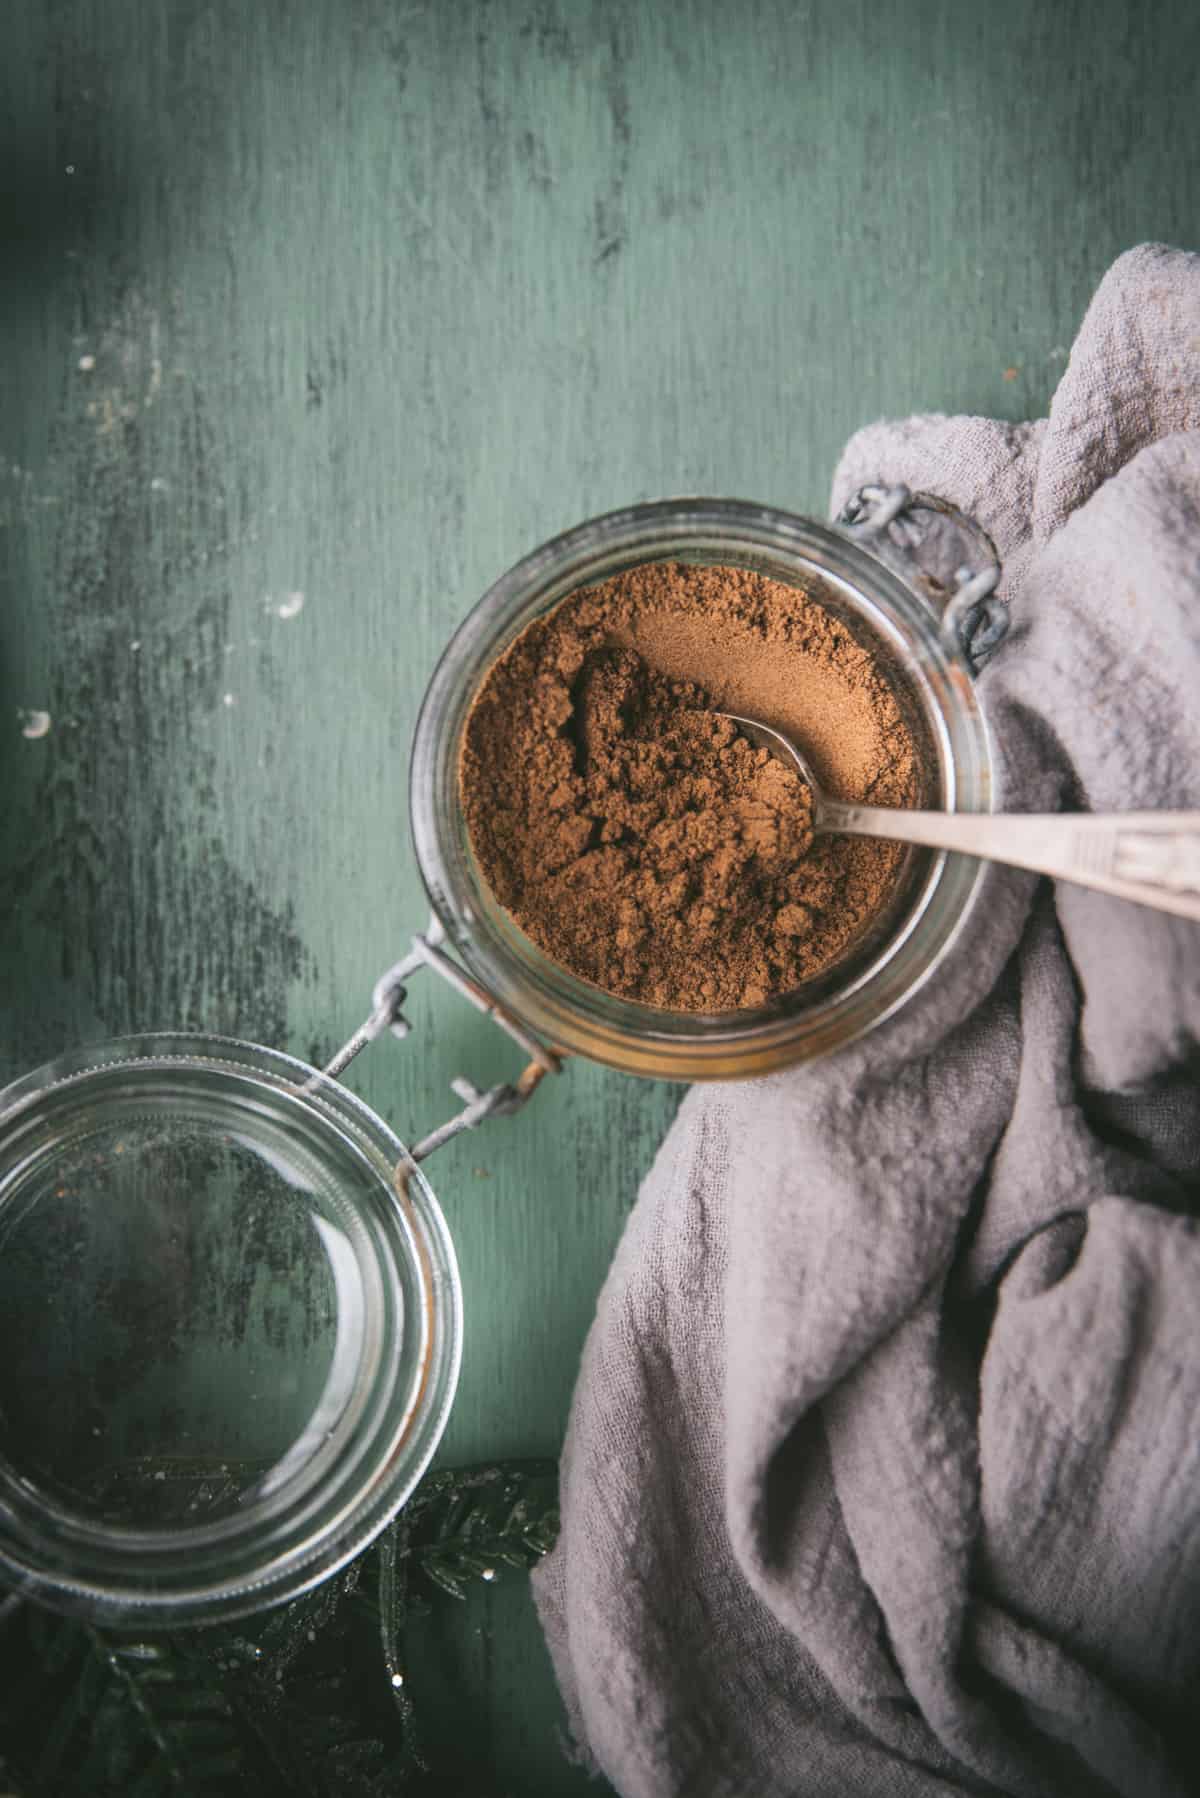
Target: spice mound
x,y
635,835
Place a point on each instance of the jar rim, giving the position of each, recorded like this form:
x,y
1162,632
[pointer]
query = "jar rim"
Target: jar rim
x,y
394,1326
571,1013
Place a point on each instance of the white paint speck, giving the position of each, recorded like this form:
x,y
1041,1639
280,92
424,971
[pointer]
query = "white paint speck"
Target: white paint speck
x,y
70,168
228,699
397,1680
136,645
87,364
160,1475
158,485
489,1573
291,606
34,724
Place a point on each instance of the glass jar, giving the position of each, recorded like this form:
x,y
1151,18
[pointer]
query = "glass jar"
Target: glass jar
x,y
890,579
230,1315
229,1336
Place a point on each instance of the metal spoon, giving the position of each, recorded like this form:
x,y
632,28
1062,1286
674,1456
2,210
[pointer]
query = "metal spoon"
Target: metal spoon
x,y
1150,857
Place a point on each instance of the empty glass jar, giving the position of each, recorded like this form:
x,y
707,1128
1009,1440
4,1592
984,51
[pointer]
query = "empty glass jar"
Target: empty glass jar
x,y
229,1339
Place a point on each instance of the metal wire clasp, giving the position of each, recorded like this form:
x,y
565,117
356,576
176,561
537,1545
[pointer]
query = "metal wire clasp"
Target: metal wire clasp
x,y
387,999
936,548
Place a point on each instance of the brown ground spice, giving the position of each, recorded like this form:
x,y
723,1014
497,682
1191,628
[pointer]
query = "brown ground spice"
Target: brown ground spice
x,y
643,842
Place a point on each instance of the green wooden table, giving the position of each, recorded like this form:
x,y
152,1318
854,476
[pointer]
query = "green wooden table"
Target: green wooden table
x,y
315,316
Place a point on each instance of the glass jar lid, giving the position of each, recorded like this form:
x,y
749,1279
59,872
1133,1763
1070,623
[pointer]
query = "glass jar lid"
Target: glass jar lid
x,y
230,1328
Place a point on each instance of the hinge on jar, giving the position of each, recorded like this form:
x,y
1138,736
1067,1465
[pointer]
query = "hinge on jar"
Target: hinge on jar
x,y
386,1014
945,554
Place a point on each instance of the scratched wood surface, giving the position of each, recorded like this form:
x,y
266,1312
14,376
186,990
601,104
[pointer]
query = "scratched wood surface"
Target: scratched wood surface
x,y
315,316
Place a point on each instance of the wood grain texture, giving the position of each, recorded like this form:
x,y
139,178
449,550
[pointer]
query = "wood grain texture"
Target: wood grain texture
x,y
360,300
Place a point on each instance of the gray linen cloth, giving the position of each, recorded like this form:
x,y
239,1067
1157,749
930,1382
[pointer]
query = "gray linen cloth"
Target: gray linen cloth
x,y
883,1471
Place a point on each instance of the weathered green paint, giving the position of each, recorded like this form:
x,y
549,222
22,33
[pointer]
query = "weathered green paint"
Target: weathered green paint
x,y
379,296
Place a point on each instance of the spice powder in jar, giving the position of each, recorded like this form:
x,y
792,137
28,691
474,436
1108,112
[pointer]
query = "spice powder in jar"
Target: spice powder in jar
x,y
639,839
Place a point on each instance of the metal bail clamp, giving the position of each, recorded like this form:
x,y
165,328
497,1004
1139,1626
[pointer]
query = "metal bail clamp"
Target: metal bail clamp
x,y
946,556
390,992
